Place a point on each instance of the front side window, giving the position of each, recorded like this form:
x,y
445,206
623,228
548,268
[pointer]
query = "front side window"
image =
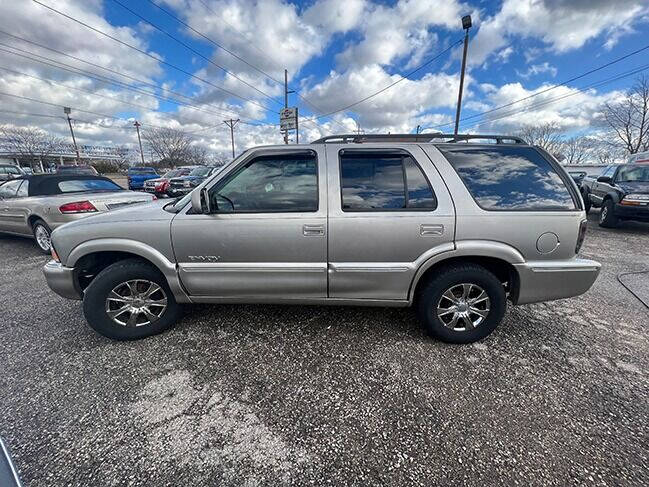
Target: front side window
x,y
382,182
23,190
509,178
286,183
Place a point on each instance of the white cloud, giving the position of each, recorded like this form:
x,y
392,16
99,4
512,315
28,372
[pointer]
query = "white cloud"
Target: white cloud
x,y
536,69
563,25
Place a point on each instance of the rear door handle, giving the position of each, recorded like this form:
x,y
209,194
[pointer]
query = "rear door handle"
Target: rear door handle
x,y
431,230
313,230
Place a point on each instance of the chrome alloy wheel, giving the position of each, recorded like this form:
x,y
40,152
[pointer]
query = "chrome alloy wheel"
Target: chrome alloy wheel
x,y
136,303
43,238
463,307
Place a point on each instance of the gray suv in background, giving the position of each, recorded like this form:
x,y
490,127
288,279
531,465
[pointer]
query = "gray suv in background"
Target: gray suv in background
x,y
455,226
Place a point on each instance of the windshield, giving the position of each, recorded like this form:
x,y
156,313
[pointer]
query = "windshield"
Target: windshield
x,y
633,174
78,185
201,171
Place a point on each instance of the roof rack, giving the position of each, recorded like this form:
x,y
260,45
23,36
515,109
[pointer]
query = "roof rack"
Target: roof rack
x,y
360,138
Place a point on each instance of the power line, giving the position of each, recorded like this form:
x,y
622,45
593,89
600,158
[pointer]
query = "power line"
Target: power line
x,y
567,95
137,80
194,50
44,115
102,79
256,68
157,59
385,88
553,87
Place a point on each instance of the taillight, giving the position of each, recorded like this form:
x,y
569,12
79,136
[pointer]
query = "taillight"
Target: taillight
x,y
77,207
582,235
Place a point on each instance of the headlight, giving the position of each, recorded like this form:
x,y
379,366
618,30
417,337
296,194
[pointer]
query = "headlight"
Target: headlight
x,y
187,184
634,199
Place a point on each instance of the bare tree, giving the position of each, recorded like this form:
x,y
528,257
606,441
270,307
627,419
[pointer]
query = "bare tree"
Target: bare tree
x,y
30,143
170,145
576,150
628,119
547,135
197,156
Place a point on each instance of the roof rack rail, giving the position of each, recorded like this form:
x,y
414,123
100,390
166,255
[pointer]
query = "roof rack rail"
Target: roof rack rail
x,y
360,138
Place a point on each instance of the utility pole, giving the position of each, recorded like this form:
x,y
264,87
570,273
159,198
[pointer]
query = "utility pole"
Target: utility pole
x,y
286,92
231,123
67,111
137,127
466,25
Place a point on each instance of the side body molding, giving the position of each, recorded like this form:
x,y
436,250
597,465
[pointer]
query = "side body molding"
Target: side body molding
x,y
143,250
468,248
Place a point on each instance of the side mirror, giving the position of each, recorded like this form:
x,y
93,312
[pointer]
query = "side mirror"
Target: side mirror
x,y
201,201
605,179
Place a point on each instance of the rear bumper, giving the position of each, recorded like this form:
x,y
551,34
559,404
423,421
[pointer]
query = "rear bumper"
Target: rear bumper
x,y
61,280
549,280
639,213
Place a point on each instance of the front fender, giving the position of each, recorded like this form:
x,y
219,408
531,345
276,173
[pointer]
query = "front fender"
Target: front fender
x,y
134,247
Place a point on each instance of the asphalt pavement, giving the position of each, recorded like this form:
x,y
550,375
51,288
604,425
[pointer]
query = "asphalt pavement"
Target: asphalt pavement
x,y
278,395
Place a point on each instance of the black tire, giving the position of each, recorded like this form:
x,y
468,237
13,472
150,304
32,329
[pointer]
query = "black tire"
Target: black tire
x,y
607,218
40,226
96,295
431,295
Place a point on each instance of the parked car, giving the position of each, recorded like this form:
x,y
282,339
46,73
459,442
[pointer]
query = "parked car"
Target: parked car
x,y
9,171
76,169
622,193
180,186
138,175
159,186
453,229
36,205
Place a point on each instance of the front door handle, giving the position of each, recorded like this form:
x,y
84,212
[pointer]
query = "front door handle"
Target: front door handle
x,y
313,230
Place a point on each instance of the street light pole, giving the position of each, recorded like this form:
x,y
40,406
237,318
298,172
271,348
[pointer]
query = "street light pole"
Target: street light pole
x,y
67,111
466,25
137,127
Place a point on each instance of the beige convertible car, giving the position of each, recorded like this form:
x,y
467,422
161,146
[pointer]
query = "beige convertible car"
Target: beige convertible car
x,y
36,205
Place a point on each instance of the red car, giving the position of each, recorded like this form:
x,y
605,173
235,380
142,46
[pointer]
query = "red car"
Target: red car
x,y
159,186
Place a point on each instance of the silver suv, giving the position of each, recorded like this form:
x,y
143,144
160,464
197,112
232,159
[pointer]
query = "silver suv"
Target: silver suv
x,y
455,226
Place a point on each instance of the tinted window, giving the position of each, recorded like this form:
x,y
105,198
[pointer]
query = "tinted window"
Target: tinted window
x,y
270,184
510,178
8,190
10,170
633,174
201,171
376,181
609,171
75,185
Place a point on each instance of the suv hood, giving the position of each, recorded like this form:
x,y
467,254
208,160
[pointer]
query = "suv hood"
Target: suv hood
x,y
634,187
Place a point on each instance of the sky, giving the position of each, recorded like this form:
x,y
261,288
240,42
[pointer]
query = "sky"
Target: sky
x,y
191,64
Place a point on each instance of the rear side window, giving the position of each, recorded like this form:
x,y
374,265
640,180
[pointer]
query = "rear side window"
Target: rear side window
x,y
382,181
509,178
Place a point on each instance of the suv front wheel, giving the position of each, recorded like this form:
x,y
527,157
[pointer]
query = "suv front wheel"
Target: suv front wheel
x,y
462,304
128,300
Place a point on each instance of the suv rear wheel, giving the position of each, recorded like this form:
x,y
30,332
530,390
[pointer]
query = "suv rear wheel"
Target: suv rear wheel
x,y
128,300
462,304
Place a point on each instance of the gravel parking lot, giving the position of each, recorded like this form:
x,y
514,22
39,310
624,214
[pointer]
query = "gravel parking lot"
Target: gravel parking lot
x,y
268,395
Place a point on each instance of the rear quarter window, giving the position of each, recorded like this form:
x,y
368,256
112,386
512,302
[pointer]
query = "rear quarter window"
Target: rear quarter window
x,y
510,178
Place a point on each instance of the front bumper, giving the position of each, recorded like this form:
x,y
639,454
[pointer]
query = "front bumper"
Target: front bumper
x,y
62,280
549,280
632,212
